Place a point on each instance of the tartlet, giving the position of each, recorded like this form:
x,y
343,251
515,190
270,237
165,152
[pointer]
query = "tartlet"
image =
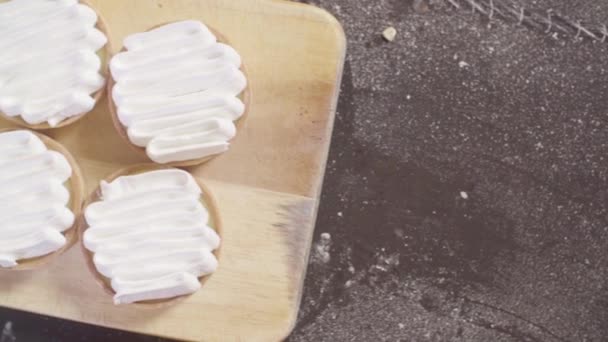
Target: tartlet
x,y
213,221
124,130
103,53
75,187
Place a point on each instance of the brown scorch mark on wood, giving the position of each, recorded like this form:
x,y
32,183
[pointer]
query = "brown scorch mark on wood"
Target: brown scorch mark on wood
x,y
294,216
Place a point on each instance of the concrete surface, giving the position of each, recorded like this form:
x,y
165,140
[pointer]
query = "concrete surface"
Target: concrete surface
x,y
466,191
467,186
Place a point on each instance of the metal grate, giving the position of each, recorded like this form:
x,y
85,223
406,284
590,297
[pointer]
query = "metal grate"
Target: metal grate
x,y
546,21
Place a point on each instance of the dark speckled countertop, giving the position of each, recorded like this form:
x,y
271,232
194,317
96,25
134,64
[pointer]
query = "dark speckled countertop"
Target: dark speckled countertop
x,y
466,190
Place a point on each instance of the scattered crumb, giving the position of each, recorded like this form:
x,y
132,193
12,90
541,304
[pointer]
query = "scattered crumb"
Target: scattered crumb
x,y
7,335
464,195
340,214
389,34
321,249
421,6
408,97
348,283
401,325
463,64
378,267
392,259
351,269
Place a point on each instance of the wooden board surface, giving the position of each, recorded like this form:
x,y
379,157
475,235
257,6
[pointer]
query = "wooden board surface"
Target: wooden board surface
x,y
267,186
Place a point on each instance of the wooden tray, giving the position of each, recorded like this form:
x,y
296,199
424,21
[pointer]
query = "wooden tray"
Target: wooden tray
x,y
267,185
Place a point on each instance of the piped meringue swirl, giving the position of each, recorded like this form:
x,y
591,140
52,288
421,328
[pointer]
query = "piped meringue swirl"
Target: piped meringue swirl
x,y
49,68
150,235
176,91
33,199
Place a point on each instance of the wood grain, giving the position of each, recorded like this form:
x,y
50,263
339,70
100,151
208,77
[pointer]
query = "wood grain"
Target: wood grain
x,y
266,186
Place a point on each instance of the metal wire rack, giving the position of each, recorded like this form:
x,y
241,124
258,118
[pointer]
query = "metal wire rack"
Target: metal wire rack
x,y
547,21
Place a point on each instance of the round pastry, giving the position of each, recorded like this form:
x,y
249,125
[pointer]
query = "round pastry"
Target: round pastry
x,y
148,234
41,192
175,93
50,61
